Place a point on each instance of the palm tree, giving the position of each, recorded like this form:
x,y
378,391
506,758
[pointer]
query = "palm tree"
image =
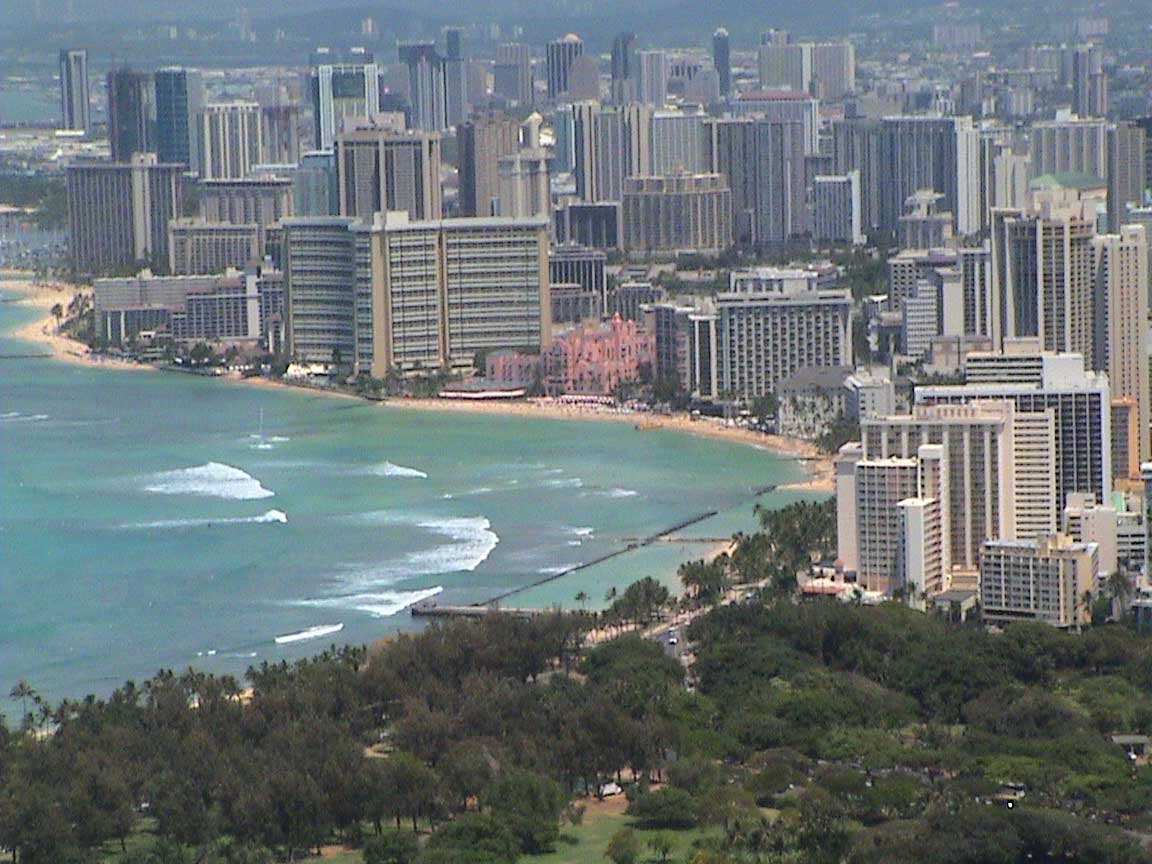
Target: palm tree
x,y
23,692
582,599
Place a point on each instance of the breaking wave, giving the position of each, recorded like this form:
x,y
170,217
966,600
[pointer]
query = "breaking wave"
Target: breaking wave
x,y
270,517
212,480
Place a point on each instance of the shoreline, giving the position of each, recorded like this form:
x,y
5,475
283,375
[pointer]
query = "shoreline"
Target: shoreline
x,y
44,332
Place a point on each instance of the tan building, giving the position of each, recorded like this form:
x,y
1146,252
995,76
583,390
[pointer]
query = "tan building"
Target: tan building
x,y
677,213
198,247
383,170
1038,580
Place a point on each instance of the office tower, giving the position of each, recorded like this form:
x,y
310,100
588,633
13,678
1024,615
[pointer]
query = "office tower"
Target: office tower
x,y
320,290
590,224
784,108
426,86
199,247
763,161
1080,402
230,140
722,60
179,100
381,170
1038,580
975,273
573,264
1121,321
898,156
482,142
261,201
1077,145
75,101
131,113
772,322
783,64
836,209
833,70
611,143
118,214
280,134
924,225
341,91
679,142
561,53
523,190
1089,82
1042,272
455,77
512,74
315,185
653,78
677,213
584,79
625,85
1126,176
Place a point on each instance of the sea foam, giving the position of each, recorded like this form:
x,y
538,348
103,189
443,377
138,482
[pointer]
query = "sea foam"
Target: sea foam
x,y
317,632
389,469
270,517
212,480
379,604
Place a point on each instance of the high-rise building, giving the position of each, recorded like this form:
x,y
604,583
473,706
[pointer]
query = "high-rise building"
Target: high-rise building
x,y
230,140
833,70
426,86
1089,82
1042,272
456,105
561,54
763,161
482,142
836,209
626,72
1038,580
280,134
199,247
1035,382
320,290
179,100
523,190
75,99
263,200
773,322
381,170
1121,321
677,213
1126,175
611,143
653,78
679,142
512,73
342,91
118,214
722,60
315,185
573,264
131,113
784,108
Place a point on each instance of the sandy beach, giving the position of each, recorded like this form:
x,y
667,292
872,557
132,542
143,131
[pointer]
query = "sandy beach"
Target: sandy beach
x,y
43,295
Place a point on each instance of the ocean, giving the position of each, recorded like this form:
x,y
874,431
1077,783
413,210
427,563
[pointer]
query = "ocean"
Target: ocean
x,y
155,520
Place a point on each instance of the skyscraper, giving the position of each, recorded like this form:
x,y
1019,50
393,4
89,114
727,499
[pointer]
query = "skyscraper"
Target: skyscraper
x,y
383,170
722,60
1089,82
1121,309
118,214
512,74
341,91
426,86
131,113
561,53
230,140
75,103
654,78
625,69
179,100
483,141
455,77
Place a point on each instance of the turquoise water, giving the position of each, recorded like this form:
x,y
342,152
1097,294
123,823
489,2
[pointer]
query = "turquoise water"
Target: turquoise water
x,y
148,520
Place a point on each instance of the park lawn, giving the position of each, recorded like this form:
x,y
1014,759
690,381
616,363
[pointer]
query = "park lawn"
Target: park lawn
x,y
349,856
585,843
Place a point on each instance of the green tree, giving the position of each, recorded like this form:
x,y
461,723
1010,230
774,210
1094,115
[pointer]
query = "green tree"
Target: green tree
x,y
391,847
624,847
530,806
